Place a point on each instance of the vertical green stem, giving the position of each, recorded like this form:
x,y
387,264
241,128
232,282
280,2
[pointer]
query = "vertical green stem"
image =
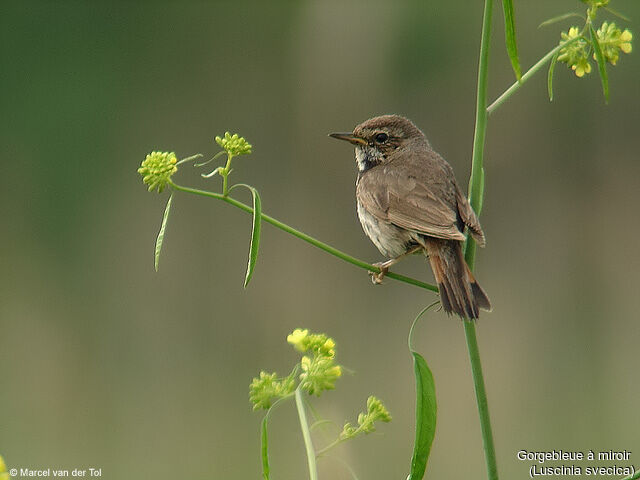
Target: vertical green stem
x,y
481,400
306,435
476,191
224,172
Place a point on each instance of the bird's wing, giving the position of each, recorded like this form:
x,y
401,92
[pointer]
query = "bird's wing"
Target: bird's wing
x,y
469,218
418,194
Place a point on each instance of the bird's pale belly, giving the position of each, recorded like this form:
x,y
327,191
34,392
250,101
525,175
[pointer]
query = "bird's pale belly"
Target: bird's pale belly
x,y
392,241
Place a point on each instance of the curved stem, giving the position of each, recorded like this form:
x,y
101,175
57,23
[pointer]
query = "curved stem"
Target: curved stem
x,y
307,238
324,450
476,192
514,88
306,435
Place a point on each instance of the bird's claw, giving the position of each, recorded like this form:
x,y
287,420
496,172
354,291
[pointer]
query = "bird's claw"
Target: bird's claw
x,y
376,277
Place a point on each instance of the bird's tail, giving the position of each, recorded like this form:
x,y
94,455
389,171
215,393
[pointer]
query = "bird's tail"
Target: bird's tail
x,y
459,291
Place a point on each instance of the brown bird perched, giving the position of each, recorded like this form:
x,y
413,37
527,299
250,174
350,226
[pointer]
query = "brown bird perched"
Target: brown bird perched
x,y
408,201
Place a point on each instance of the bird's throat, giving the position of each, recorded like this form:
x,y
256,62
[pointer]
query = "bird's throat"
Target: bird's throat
x,y
367,157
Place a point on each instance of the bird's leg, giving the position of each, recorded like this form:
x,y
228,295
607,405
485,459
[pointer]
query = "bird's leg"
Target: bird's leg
x,y
376,277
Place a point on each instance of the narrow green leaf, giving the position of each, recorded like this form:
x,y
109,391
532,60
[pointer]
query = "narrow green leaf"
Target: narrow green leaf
x,y
552,68
255,235
426,411
510,36
255,230
163,227
559,18
602,66
264,448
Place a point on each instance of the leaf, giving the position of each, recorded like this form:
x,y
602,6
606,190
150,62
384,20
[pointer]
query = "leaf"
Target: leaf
x,y
602,66
559,18
255,236
255,230
163,227
510,36
426,408
552,67
426,411
264,448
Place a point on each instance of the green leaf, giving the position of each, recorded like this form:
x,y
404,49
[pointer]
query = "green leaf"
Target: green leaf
x,y
264,448
510,36
552,67
426,411
163,227
426,408
602,66
255,231
559,18
255,236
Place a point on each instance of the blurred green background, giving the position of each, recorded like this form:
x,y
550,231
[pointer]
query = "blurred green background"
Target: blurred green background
x,y
105,363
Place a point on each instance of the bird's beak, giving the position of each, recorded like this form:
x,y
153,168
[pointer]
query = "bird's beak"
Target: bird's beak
x,y
349,137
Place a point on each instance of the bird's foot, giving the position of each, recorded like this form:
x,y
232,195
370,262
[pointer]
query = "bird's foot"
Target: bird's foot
x,y
376,277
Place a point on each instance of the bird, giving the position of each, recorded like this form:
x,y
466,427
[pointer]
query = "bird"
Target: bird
x,y
408,201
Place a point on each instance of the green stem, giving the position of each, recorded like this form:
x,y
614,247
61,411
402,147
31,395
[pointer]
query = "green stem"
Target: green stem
x,y
324,450
306,435
541,63
476,192
481,399
307,238
225,174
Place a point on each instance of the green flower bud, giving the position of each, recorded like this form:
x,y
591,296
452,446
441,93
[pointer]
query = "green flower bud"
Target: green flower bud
x,y
233,144
576,55
157,168
376,412
267,388
319,374
612,40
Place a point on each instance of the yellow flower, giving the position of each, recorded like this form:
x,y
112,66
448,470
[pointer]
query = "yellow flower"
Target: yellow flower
x,y
625,38
297,337
581,68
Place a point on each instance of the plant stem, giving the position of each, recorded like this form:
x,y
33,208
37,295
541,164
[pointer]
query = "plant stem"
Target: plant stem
x,y
225,176
514,88
481,399
324,450
476,192
307,238
306,435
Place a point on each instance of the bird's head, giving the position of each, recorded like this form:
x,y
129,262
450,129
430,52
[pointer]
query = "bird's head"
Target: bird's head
x,y
377,138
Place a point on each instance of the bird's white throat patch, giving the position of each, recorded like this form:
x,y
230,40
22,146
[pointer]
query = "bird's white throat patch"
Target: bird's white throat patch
x,y
367,157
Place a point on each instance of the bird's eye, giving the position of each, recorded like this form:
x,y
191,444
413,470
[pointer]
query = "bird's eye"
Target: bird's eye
x,y
381,137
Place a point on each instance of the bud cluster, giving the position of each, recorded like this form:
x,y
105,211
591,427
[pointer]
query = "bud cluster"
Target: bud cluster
x,y
233,144
157,168
319,371
376,412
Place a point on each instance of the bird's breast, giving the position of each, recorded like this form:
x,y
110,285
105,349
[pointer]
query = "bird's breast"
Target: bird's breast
x,y
391,240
